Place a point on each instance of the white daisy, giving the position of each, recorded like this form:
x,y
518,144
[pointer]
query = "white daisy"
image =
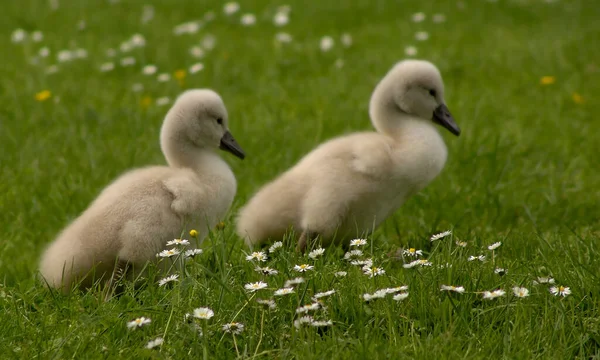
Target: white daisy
x,y
149,69
37,36
439,18
203,313
209,42
162,101
495,245
257,255
284,291
164,77
192,252
420,262
276,245
154,343
18,36
266,270
410,50
138,40
64,56
412,252
106,67
326,43
304,320
440,235
309,307
373,271
283,37
316,253
340,274
168,279
560,291
294,282
500,271
233,328
520,291
362,263
323,294
137,87
197,52
421,36
125,47
418,17
127,61
44,52
321,323
303,267
379,294
400,296
352,254
196,68
493,294
139,322
543,280
395,289
248,19
458,289
358,242
169,253
346,39
281,19
52,69
461,243
183,242
267,303
147,14
252,287
231,8
190,27
473,258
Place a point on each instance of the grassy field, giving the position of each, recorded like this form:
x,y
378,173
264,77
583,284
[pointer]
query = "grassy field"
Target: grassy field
x,y
522,80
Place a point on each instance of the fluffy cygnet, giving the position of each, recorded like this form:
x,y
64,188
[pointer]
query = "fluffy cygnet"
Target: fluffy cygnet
x,y
347,186
133,218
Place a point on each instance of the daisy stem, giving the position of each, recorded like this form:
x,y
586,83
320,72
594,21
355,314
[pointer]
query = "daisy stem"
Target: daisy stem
x,y
236,347
244,306
262,320
205,341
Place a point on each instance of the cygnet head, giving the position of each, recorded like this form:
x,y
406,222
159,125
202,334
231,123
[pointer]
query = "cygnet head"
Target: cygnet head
x,y
198,119
414,88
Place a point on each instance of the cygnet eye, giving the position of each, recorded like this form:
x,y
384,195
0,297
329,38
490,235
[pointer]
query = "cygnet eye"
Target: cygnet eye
x,y
220,121
432,92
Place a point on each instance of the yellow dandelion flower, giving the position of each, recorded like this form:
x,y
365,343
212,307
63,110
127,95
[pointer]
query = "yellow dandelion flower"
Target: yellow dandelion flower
x,y
180,74
146,101
221,226
547,80
43,95
578,99
193,233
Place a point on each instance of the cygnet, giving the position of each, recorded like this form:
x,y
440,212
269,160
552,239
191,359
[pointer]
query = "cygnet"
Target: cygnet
x,y
134,217
347,186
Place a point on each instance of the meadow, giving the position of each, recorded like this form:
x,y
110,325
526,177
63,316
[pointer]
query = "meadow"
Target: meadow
x,y
85,86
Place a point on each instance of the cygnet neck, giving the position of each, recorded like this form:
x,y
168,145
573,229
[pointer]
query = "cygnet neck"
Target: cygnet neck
x,y
181,153
388,119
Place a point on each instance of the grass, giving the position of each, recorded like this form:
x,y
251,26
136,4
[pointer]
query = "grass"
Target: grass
x,y
524,172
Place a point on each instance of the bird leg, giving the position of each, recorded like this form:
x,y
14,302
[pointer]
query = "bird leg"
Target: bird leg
x,y
305,237
113,285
